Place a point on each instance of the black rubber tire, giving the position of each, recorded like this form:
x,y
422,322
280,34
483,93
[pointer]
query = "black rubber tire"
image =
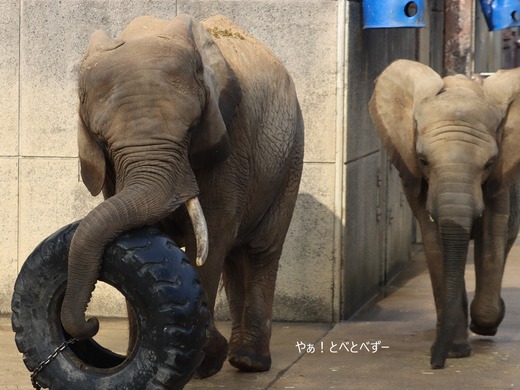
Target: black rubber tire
x,y
164,290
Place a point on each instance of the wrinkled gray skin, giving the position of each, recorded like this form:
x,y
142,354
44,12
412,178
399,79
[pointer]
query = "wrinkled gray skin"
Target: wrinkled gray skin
x,y
456,146
175,111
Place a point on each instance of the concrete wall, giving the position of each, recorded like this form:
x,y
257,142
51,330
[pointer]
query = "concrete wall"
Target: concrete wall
x,y
42,44
351,229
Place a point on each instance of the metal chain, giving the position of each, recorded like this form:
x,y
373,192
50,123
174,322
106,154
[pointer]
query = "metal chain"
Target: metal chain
x,y
51,357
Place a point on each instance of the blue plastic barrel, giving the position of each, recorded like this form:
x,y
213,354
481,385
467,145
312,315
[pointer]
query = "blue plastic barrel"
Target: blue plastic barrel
x,y
501,14
393,13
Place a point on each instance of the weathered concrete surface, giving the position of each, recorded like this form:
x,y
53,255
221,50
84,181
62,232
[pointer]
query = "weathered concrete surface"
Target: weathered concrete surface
x,y
8,229
404,321
9,68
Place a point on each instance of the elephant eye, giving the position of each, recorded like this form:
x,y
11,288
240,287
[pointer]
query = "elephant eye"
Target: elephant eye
x,y
423,161
489,163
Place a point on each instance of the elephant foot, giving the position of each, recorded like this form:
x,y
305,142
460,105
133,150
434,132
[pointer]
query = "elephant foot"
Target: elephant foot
x,y
439,355
459,350
249,352
483,330
441,352
215,354
479,325
250,361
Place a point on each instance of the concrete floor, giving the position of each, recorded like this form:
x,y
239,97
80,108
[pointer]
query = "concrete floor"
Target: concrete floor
x,y
403,322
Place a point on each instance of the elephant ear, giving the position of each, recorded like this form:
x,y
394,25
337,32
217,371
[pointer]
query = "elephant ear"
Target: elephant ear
x,y
91,156
210,141
101,42
92,160
398,90
503,89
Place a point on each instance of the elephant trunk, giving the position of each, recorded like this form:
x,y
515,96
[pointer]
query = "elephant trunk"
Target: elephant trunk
x,y
133,207
455,220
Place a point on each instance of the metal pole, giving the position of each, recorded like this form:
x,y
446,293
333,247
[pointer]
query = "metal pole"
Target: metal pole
x,y
458,36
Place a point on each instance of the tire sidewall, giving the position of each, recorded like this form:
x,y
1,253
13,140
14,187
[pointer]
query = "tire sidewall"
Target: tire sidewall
x,y
39,292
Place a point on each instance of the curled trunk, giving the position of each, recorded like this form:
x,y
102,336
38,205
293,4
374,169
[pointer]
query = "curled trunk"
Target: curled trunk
x,y
134,206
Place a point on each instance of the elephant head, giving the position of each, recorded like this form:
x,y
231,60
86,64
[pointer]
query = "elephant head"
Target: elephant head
x,y
455,144
154,105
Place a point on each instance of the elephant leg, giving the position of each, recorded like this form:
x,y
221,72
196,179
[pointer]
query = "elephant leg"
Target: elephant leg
x,y
491,249
250,277
215,353
459,346
250,282
217,346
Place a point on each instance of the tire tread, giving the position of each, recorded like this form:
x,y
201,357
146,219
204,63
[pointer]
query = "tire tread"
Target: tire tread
x,y
153,274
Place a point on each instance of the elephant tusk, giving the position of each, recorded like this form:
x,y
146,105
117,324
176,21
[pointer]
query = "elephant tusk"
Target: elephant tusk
x,y
200,228
431,217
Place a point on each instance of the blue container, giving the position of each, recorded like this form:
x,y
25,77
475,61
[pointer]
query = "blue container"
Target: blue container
x,y
393,13
501,14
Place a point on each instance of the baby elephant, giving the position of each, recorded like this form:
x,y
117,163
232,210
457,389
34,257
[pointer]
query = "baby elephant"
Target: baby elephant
x,y
456,145
195,127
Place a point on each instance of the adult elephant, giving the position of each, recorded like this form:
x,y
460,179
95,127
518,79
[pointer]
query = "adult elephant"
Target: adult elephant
x,y
455,144
195,127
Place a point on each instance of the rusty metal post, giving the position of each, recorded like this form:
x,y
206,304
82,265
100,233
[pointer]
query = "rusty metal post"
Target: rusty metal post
x,y
458,36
